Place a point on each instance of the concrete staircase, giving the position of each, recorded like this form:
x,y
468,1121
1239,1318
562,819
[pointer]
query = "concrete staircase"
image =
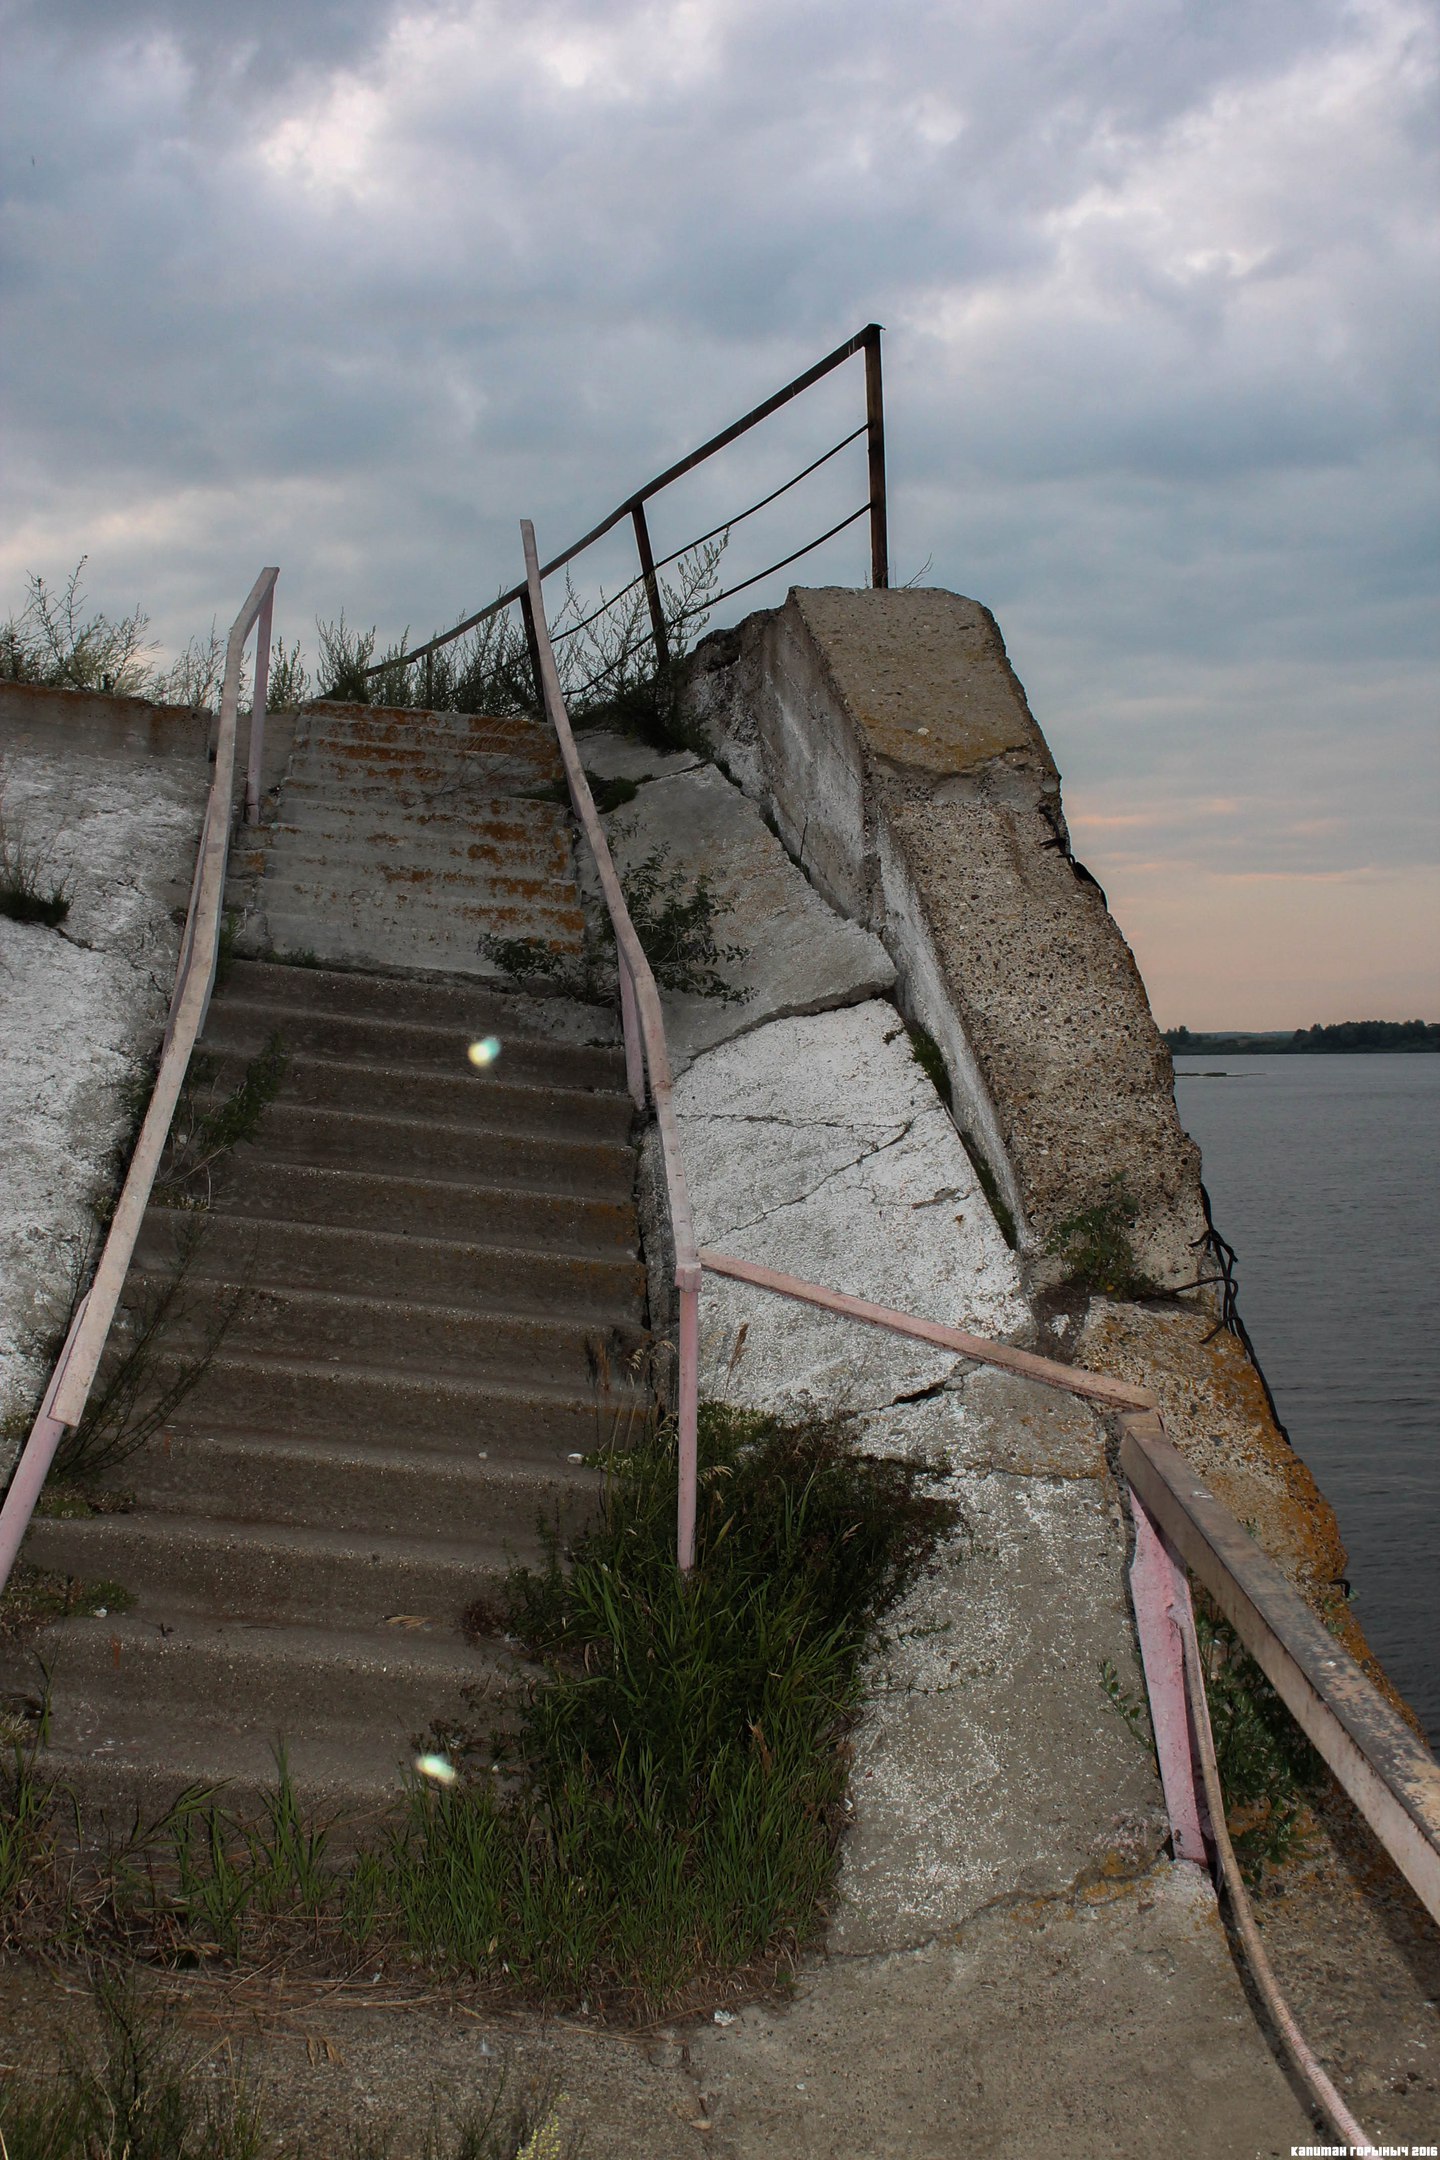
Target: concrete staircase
x,y
399,839
441,1308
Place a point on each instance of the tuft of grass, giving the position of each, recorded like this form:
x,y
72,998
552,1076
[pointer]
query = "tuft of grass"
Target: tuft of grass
x,y
1096,1246
35,1596
142,1383
30,892
675,920
672,1804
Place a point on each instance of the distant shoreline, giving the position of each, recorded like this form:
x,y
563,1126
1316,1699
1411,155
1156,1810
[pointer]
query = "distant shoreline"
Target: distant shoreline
x,y
1344,1037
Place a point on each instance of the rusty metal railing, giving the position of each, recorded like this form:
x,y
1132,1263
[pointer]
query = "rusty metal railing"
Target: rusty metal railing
x,y
63,1404
1392,1778
866,341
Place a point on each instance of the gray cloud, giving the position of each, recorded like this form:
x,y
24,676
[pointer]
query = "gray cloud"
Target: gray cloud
x,y
351,289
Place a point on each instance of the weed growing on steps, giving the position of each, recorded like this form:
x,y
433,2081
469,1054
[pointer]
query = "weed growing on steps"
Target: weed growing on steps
x,y
523,958
202,1133
1096,1246
143,1380
670,1809
1268,1769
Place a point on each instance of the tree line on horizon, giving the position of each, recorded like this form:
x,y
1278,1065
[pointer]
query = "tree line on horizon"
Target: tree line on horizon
x,y
1338,1035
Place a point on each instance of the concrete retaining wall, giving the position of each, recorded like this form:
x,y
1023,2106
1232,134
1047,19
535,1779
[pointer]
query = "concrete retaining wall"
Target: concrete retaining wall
x,y
888,737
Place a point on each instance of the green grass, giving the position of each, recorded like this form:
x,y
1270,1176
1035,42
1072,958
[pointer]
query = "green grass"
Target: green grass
x,y
137,2092
674,1794
668,1810
1096,1246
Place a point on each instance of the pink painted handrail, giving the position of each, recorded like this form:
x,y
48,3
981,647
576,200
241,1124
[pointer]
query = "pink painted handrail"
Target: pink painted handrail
x,y
645,1055
75,1369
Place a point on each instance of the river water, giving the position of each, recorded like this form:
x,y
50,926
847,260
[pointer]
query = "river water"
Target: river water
x,y
1324,1174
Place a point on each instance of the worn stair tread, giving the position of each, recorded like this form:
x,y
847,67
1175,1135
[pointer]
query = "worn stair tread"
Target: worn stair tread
x,y
361,1308
534,1216
483,1098
359,992
604,1288
492,1390
248,1024
333,1449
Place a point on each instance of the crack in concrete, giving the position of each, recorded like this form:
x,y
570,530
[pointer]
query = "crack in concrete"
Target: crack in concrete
x,y
798,1200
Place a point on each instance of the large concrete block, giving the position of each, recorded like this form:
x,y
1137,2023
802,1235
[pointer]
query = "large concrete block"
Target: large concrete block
x,y
817,1146
795,954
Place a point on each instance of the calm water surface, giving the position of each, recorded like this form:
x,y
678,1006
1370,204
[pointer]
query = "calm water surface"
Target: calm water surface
x,y
1324,1174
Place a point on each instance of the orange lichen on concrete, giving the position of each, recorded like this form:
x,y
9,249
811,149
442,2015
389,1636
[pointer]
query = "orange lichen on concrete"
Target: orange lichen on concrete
x,y
1215,1410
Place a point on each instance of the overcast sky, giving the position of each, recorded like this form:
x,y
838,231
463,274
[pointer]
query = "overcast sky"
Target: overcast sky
x,y
352,288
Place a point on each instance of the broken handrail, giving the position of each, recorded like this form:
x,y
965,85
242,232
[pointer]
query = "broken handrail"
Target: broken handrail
x,y
68,1391
1392,1778
633,507
645,1055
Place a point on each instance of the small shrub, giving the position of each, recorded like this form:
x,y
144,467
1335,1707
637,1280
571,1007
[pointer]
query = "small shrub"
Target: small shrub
x,y
30,892
675,920
51,641
1096,1247
522,957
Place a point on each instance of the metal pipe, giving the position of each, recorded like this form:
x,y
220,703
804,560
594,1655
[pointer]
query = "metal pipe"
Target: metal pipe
x,y
1161,1591
652,587
687,1281
1319,2086
257,708
630,1025
875,424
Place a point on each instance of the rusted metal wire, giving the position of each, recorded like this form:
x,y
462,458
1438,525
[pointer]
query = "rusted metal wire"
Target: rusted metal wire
x,y
865,341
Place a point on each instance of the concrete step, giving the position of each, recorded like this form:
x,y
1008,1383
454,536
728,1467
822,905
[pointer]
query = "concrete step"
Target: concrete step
x,y
449,1271
339,1481
340,907
483,1097
425,946
275,1574
255,1185
459,1008
517,834
343,715
401,1146
444,1342
277,1683
416,1410
243,1025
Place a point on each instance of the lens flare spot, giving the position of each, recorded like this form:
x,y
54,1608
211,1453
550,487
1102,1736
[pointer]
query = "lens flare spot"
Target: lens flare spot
x,y
484,1052
437,1768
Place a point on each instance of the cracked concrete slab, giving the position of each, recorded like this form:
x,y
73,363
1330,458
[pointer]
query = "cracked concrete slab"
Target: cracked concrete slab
x,y
624,757
988,1763
817,1146
1104,2023
991,1420
798,955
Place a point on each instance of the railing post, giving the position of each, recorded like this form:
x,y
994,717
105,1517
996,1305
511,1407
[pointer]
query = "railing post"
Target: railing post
x,y
533,645
652,587
630,1022
875,424
257,709
687,1282
1161,1590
